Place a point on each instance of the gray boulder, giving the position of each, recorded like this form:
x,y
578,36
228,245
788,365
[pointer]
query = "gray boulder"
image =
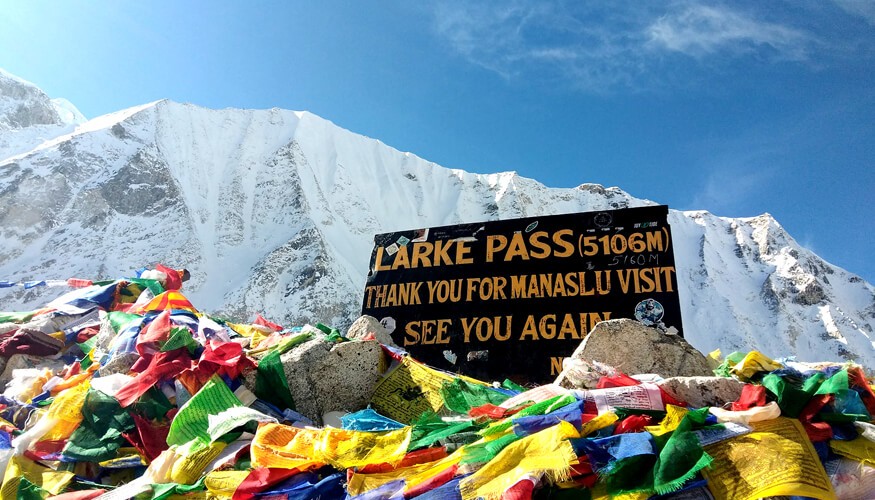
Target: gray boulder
x,y
326,377
366,325
633,348
702,391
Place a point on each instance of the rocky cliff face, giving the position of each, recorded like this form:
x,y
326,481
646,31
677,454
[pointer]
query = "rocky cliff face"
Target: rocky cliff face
x,y
28,116
274,211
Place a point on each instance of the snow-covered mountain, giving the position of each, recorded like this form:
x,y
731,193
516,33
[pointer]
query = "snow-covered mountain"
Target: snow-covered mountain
x,y
274,211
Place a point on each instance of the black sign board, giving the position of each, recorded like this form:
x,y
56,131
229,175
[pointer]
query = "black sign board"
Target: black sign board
x,y
512,298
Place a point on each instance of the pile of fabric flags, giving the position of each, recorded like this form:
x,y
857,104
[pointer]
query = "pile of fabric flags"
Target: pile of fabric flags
x,y
123,389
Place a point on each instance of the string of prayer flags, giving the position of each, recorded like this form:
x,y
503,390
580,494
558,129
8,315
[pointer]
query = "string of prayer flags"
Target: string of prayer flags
x,y
142,395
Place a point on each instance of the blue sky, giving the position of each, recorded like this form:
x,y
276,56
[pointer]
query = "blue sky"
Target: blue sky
x,y
738,108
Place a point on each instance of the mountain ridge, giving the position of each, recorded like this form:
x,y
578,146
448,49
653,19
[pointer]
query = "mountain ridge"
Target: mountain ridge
x,y
274,211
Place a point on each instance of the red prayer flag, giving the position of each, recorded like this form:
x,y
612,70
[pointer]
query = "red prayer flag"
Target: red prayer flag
x,y
148,438
163,366
79,283
173,281
751,395
857,380
261,321
260,479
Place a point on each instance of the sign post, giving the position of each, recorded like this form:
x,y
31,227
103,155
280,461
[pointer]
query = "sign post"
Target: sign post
x,y
512,298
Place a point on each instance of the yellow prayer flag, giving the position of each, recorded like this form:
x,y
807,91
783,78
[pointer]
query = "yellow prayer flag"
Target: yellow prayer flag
x,y
673,416
224,483
277,445
753,363
777,459
410,390
344,448
170,299
548,452
189,468
280,446
67,409
598,423
859,449
20,467
255,333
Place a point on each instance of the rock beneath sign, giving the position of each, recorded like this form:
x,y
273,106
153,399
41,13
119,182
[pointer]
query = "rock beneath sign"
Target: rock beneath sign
x,y
325,376
702,391
366,325
634,348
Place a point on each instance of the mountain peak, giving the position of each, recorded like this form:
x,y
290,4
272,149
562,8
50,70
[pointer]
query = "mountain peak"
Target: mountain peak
x,y
23,104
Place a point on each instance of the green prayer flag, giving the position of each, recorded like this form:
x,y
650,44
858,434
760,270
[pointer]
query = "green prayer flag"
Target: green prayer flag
x,y
162,491
120,320
88,345
429,428
30,491
180,336
790,399
154,286
270,382
513,386
287,344
16,317
460,396
328,330
834,384
724,370
681,457
484,452
812,383
99,436
631,475
153,405
189,429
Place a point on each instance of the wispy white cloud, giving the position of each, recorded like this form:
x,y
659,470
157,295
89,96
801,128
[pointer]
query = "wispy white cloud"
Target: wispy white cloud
x,y
700,30
862,8
620,45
